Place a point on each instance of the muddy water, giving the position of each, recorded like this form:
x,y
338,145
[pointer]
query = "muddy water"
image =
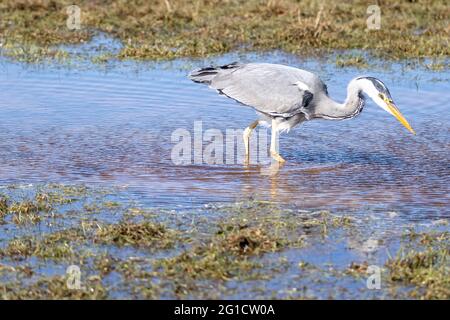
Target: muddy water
x,y
112,125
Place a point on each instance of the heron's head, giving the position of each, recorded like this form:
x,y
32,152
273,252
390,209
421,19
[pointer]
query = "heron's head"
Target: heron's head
x,y
379,93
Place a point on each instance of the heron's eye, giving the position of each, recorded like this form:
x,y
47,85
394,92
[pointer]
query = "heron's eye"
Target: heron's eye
x,y
381,96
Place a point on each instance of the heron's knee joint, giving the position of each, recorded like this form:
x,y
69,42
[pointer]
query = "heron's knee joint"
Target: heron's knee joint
x,y
247,132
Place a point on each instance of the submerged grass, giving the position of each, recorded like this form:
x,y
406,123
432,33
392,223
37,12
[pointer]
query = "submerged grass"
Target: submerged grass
x,y
351,61
427,270
53,288
144,234
54,246
235,252
150,253
167,29
30,209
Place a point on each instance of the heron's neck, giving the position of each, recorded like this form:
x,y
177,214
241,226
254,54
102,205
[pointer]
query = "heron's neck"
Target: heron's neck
x,y
351,107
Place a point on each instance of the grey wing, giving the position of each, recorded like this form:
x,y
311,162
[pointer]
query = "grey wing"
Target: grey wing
x,y
275,90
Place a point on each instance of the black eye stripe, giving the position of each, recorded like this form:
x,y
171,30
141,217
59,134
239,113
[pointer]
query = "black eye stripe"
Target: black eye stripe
x,y
378,85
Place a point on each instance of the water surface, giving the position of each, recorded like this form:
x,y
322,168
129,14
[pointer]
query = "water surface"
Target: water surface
x,y
112,125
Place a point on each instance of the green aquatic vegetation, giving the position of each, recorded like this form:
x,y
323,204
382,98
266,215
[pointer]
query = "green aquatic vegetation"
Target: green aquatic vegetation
x,y
437,66
246,232
16,248
99,206
71,190
27,207
102,58
92,208
54,198
19,249
60,245
53,288
141,234
3,205
426,268
47,200
351,61
57,194
111,204
132,269
28,211
293,226
31,53
357,269
427,271
20,270
207,262
57,245
245,240
202,253
105,264
167,29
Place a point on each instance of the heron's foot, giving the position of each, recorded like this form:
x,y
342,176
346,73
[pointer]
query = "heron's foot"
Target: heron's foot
x,y
272,170
276,156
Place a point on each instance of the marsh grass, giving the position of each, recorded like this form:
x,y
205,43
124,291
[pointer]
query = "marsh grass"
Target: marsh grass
x,y
50,248
351,61
152,253
3,206
426,268
247,232
143,234
30,29
31,209
52,288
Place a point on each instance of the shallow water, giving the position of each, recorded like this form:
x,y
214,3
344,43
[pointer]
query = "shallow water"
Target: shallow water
x,y
112,125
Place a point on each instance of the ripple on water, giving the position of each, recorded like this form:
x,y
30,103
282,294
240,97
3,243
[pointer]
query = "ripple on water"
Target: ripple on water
x,y
115,127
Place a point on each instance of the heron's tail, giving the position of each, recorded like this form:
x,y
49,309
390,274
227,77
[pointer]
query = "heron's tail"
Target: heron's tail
x,y
205,75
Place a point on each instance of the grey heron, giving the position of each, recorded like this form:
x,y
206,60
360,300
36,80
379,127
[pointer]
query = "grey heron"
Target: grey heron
x,y
285,96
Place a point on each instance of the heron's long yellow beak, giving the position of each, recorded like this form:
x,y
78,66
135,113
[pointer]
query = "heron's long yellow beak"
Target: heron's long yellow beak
x,y
398,115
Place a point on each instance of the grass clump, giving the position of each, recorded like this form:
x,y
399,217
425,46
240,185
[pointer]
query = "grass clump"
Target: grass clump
x,y
61,244
19,249
3,206
207,262
28,211
24,211
105,264
46,199
53,288
437,66
141,234
245,240
245,234
98,206
343,61
428,270
56,246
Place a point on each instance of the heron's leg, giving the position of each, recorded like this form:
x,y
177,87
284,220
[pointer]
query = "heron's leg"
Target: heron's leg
x,y
247,134
274,143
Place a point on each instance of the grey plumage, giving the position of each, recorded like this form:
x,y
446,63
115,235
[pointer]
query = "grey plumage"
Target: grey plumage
x,y
269,88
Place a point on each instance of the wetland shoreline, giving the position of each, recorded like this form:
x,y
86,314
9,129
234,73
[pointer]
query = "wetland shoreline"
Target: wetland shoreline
x,y
32,30
83,108
221,251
